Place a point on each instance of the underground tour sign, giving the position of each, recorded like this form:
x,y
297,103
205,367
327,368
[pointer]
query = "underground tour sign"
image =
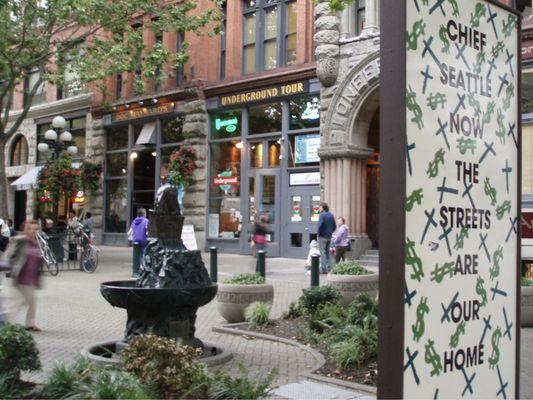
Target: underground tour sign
x,y
458,210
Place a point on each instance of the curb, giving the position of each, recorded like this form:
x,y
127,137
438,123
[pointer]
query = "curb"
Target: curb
x,y
232,329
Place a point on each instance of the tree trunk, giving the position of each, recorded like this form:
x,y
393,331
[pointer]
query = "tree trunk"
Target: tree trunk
x,y
3,178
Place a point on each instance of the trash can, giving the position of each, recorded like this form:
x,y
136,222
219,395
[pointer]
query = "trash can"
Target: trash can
x,y
54,241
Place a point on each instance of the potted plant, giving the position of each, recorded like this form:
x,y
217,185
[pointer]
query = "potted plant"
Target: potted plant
x,y
351,279
181,169
236,294
526,302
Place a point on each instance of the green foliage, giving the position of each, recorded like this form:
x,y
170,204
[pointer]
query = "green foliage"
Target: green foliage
x,y
243,387
110,383
314,297
245,279
10,388
350,267
257,313
326,316
66,379
362,308
90,173
355,349
294,311
526,282
168,367
18,351
338,5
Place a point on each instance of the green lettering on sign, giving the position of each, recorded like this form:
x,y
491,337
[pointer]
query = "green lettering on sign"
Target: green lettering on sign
x,y
229,125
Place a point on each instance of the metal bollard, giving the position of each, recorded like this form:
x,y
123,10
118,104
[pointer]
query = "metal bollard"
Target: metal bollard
x,y
315,273
260,266
136,258
213,264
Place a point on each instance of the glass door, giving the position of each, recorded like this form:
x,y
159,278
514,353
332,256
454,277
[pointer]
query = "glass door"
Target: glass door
x,y
143,180
302,222
264,201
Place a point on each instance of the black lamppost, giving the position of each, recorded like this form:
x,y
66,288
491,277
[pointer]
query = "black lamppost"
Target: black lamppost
x,y
57,139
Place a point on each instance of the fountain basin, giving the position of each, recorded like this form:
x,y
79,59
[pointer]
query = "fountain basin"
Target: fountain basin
x,y
125,294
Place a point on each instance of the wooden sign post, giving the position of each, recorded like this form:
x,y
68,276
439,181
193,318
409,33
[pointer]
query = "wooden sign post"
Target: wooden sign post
x,y
450,187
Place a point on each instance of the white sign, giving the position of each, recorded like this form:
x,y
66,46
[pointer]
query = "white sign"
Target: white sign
x,y
304,178
306,148
213,225
461,206
188,237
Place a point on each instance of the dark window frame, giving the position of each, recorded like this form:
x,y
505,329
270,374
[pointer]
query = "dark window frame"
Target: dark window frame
x,y
224,22
180,71
260,9
38,98
19,151
360,10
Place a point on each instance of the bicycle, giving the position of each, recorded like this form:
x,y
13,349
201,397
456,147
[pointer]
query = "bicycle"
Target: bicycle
x,y
86,252
48,256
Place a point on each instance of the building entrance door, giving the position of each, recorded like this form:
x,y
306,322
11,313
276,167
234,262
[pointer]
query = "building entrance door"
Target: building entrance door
x,y
143,181
301,221
20,209
264,200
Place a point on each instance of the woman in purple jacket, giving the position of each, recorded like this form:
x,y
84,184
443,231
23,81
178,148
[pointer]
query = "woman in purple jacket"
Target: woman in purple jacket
x,y
341,241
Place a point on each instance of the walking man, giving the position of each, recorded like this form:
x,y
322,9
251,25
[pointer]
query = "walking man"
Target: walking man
x,y
326,227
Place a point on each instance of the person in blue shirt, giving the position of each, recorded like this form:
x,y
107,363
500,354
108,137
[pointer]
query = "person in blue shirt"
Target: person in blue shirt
x,y
326,227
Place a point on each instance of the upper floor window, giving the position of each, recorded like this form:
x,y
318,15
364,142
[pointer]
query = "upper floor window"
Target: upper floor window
x,y
180,74
269,34
32,80
223,42
360,18
72,84
19,152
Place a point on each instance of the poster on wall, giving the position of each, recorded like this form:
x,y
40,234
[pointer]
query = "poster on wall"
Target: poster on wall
x,y
460,210
461,206
306,148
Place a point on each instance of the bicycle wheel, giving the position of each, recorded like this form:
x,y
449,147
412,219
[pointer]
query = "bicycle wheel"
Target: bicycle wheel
x,y
50,261
89,259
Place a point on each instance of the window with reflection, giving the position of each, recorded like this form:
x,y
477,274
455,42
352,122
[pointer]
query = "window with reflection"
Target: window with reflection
x,y
117,138
527,92
249,43
225,218
117,164
172,130
305,112
265,118
360,19
274,153
225,124
270,47
35,81
256,155
19,151
290,35
303,150
116,205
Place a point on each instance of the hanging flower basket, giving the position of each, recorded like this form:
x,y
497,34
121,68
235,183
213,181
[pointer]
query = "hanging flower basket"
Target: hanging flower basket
x,y
181,167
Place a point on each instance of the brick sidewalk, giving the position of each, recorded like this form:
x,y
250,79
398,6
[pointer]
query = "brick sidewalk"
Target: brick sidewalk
x,y
73,315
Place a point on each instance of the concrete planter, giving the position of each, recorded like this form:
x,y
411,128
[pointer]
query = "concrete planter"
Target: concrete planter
x,y
232,300
351,285
526,306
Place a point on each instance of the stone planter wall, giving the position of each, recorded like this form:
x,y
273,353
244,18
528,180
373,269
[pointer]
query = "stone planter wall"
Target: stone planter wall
x,y
352,285
232,300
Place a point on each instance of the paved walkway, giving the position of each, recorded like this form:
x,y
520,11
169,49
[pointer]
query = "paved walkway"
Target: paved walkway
x,y
73,315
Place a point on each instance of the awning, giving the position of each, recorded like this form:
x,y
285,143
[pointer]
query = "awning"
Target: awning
x,y
147,135
28,180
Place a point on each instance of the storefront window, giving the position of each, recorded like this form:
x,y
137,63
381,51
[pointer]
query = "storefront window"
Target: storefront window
x,y
256,155
117,138
117,164
116,205
77,129
265,118
305,112
304,150
225,216
274,153
527,92
172,130
226,124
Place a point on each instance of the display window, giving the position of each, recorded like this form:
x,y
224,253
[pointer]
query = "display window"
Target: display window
x,y
265,118
304,112
226,124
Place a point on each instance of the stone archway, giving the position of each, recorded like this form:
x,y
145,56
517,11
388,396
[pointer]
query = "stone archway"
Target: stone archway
x,y
345,149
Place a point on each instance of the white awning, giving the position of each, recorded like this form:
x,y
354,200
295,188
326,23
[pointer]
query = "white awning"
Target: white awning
x,y
28,180
147,135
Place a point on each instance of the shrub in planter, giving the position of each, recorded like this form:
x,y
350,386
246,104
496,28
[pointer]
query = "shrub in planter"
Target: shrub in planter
x,y
18,351
327,316
311,299
243,387
257,313
66,379
236,294
526,302
350,279
171,369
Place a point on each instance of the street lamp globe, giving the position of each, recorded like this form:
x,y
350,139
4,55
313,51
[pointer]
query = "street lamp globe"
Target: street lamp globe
x,y
65,136
72,150
59,122
50,134
42,147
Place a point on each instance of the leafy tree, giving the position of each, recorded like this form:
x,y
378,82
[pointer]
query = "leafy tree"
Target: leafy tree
x,y
90,39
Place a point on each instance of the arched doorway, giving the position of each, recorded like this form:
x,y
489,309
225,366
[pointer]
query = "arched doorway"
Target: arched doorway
x,y
372,183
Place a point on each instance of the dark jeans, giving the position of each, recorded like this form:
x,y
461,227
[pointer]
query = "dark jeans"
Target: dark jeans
x,y
340,253
326,260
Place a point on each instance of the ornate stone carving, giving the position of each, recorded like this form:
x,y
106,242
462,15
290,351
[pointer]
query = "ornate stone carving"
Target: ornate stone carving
x,y
327,36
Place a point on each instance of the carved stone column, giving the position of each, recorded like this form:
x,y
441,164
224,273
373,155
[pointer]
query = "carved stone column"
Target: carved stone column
x,y
371,16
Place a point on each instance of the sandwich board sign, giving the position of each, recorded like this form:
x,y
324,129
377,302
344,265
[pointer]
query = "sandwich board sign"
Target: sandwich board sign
x,y
450,147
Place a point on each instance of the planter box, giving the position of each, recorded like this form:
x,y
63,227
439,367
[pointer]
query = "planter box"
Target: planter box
x,y
232,300
351,285
526,306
